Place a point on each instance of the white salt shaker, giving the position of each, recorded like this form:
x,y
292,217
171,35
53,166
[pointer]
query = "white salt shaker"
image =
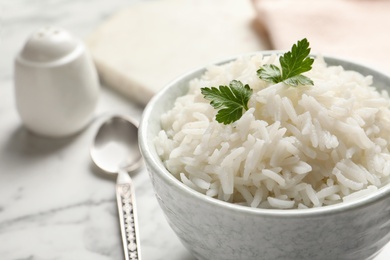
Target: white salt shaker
x,y
56,83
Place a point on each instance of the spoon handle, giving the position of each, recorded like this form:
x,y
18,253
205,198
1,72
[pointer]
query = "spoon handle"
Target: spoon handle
x,y
128,216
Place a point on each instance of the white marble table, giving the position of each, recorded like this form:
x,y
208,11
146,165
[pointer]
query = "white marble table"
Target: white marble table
x,y
53,203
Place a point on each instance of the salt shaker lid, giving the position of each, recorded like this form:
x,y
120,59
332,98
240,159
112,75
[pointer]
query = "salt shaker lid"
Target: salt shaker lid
x,y
48,44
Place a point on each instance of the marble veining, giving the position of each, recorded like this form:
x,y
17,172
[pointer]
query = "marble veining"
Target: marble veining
x,y
54,204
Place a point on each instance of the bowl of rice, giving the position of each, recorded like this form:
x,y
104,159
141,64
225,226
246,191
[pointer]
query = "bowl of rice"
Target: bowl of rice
x,y
304,173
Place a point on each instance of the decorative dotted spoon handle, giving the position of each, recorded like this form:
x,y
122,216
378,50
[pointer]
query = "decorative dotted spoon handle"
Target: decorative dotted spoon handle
x,y
127,216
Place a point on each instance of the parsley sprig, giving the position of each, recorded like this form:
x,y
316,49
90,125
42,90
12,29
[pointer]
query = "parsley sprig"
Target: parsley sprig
x,y
293,63
229,100
232,100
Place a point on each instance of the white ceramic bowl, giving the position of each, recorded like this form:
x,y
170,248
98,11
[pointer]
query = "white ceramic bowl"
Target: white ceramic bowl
x,y
217,230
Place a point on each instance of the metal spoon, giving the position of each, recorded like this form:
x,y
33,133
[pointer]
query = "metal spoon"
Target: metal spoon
x,y
115,151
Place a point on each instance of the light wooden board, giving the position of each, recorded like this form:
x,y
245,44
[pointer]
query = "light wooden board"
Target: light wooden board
x,y
140,49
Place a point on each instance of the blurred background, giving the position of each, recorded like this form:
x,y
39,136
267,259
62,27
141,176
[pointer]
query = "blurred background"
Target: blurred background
x,y
140,45
53,205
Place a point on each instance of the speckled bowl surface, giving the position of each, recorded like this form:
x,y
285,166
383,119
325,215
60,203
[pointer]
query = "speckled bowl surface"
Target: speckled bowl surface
x,y
217,230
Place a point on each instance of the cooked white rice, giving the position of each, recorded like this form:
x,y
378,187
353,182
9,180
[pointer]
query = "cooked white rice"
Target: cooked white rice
x,y
296,147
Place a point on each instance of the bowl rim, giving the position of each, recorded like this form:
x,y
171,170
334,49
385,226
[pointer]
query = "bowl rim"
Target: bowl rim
x,y
157,167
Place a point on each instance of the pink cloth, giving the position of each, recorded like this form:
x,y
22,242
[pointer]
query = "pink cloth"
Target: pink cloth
x,y
355,29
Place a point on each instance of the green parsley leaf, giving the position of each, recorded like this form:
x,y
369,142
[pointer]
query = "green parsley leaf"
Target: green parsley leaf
x,y
298,80
293,63
270,73
230,100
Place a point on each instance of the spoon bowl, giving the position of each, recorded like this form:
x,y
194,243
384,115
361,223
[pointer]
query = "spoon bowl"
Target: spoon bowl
x,y
115,151
115,146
